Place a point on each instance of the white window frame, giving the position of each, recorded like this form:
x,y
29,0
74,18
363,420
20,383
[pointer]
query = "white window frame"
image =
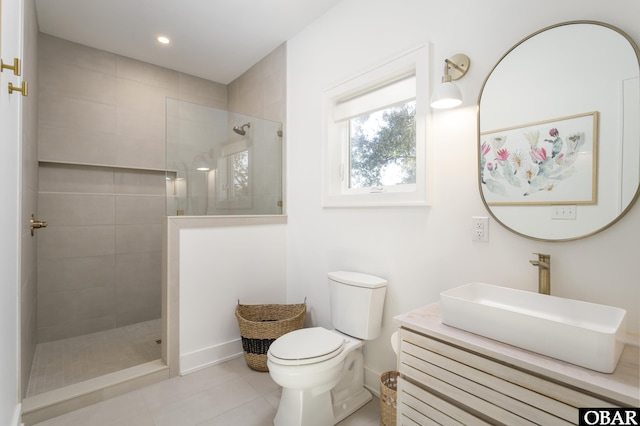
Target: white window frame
x,y
336,192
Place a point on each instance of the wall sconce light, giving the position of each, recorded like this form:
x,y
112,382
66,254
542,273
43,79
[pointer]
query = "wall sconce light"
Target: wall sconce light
x,y
447,94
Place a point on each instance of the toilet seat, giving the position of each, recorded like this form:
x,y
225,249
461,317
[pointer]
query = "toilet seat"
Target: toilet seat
x,y
306,346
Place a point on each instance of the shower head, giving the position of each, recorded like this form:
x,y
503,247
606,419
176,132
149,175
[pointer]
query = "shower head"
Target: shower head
x,y
240,130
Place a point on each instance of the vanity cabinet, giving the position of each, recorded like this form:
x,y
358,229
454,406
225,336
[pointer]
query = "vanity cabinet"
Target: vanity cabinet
x,y
449,376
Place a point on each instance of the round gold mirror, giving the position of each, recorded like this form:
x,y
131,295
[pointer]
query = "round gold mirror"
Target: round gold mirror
x,y
559,132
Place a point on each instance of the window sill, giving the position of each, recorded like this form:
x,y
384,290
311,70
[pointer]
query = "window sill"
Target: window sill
x,y
384,199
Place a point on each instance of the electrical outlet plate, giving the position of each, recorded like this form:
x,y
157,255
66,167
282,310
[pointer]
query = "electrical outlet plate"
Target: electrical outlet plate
x,y
480,228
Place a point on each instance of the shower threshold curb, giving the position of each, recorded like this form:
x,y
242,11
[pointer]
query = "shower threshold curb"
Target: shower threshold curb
x,y
47,405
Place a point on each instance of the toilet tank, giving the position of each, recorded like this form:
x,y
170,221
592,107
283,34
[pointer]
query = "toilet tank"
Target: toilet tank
x,y
356,303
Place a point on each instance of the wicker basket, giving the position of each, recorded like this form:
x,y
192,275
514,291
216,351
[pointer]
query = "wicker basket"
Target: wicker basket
x,y
388,398
260,325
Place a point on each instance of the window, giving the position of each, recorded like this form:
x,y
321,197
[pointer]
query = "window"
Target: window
x,y
234,184
382,147
375,136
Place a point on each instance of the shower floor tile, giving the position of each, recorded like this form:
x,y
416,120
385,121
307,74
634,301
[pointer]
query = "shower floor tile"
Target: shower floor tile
x,y
69,361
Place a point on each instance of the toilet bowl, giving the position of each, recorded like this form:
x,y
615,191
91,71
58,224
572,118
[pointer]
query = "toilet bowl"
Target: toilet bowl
x,y
321,371
322,388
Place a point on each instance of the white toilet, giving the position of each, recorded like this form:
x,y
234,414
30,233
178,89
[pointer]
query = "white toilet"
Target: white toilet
x,y
321,371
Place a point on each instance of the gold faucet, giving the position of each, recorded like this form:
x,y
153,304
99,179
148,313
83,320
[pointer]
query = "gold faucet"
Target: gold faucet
x,y
544,272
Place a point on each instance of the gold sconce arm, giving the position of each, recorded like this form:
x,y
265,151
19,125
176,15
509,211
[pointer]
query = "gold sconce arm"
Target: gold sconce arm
x,y
22,89
15,67
456,67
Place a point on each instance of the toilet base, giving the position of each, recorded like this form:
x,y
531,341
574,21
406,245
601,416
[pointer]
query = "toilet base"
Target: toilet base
x,y
329,405
353,403
301,407
320,412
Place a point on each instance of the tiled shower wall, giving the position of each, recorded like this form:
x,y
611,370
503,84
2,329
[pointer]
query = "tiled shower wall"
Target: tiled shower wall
x,y
99,261
101,147
261,90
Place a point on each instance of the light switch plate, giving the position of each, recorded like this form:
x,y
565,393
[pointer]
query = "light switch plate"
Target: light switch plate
x,y
564,212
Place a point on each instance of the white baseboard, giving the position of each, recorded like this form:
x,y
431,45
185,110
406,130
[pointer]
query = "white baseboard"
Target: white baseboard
x,y
372,381
212,355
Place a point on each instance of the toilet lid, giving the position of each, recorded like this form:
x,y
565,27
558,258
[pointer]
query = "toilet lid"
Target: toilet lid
x,y
306,346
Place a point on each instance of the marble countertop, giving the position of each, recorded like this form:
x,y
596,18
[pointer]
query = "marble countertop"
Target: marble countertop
x,y
622,385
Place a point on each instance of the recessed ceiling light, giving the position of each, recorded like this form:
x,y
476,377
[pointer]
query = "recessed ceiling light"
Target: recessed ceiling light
x,y
163,40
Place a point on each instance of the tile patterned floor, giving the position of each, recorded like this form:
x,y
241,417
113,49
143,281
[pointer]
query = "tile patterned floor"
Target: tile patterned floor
x,y
69,361
225,394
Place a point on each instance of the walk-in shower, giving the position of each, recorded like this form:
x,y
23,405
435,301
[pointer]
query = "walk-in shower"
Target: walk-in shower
x,y
216,166
99,272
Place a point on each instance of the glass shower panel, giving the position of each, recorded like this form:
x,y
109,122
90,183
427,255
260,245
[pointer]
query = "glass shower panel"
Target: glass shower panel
x,y
221,163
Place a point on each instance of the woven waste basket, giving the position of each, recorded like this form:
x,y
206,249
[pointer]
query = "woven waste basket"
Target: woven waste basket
x,y
260,325
388,397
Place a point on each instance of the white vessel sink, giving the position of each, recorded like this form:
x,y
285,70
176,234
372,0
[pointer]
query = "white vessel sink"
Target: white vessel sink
x,y
582,333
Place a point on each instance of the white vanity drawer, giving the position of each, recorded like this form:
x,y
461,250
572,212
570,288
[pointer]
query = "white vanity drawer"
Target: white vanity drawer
x,y
501,392
419,407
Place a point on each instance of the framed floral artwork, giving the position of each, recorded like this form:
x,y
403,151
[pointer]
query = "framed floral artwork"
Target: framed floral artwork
x,y
548,162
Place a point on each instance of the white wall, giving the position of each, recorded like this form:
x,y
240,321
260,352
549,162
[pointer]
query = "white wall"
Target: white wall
x,y
10,172
422,251
17,171
239,259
